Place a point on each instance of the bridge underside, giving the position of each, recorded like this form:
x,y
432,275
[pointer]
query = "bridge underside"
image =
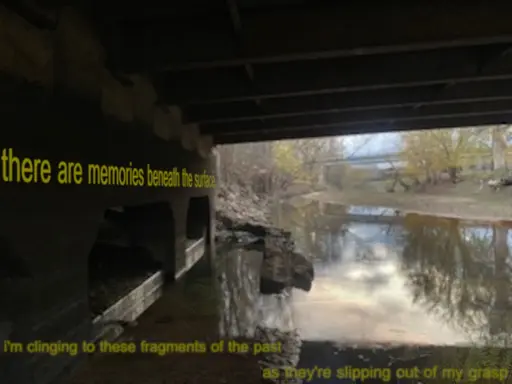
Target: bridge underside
x,y
249,70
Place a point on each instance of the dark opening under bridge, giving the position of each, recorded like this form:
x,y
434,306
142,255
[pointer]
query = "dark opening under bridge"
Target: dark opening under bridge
x,y
159,83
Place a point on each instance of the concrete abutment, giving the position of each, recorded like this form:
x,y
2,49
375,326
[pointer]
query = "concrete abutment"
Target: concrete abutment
x,y
58,102
49,230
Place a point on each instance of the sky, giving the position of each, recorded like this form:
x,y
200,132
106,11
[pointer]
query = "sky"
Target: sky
x,y
373,144
380,143
370,145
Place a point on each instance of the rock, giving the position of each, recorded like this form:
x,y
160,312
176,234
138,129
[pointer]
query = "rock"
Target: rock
x,y
271,287
241,224
239,237
303,272
302,282
289,354
240,211
496,184
237,207
283,265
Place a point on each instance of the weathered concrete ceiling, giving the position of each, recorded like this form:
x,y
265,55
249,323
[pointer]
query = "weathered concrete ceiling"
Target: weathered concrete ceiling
x,y
249,70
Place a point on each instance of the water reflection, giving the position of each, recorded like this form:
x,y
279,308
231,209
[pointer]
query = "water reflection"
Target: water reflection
x,y
246,313
383,280
243,308
388,277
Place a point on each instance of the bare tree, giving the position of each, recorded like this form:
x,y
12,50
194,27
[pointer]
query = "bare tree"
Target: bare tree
x,y
499,146
274,166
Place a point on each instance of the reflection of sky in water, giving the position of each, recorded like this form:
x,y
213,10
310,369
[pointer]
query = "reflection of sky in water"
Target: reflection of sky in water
x,y
363,295
361,210
366,301
374,233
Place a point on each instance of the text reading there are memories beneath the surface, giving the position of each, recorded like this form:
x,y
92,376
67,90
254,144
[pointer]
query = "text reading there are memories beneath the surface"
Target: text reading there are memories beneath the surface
x,y
25,170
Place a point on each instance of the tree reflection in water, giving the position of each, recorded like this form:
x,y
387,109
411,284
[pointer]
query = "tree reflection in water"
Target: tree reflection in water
x,y
243,309
317,236
460,271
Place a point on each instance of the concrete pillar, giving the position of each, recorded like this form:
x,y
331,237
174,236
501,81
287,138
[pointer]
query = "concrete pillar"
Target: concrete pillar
x,y
199,237
51,239
179,208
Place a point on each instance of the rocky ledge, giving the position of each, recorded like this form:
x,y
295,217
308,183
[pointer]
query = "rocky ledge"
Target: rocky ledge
x,y
244,218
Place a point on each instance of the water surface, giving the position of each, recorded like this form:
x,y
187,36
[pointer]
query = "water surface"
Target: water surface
x,y
387,277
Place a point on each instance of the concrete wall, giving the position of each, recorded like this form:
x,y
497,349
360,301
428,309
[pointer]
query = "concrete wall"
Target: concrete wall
x,y
59,102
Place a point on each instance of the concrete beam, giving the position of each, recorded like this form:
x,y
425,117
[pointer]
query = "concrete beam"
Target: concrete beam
x,y
357,117
387,28
149,44
307,32
42,16
464,120
340,75
349,101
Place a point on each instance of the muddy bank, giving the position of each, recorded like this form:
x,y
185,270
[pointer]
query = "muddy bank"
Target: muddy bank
x,y
459,207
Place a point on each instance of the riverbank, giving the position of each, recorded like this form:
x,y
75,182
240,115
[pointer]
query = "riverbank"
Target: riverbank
x,y
487,207
239,205
243,218
244,224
